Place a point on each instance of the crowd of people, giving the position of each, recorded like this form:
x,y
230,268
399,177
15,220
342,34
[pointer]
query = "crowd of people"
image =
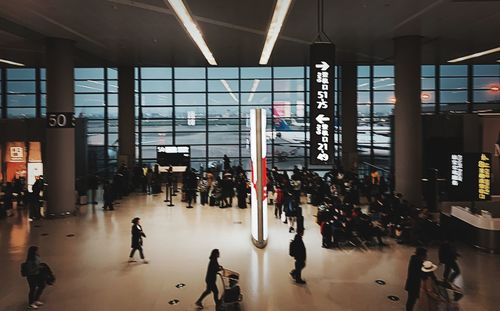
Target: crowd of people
x,y
351,210
17,195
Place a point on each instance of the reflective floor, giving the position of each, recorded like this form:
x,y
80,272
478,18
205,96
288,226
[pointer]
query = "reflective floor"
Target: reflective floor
x,y
93,274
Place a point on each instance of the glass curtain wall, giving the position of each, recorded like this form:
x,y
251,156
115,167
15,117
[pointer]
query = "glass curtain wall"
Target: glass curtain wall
x,y
445,89
208,108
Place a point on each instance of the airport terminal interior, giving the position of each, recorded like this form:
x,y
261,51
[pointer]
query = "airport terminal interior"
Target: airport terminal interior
x,y
338,155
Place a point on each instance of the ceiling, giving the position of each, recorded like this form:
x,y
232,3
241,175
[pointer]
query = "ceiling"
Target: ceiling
x,y
146,32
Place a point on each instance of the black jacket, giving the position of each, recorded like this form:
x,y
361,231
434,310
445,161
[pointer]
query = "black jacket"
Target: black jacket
x,y
300,248
414,275
213,268
137,236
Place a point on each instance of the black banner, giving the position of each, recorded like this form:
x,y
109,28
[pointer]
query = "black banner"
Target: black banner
x,y
321,109
173,155
470,177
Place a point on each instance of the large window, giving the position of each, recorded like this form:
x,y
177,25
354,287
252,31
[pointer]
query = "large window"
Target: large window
x,y
209,108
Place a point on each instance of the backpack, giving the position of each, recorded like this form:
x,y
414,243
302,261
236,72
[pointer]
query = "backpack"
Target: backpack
x,y
279,196
292,248
23,269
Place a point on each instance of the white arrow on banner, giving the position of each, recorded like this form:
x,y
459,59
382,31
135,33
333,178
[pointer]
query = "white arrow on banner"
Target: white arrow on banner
x,y
322,119
324,66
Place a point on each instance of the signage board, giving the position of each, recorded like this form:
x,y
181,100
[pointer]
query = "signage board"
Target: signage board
x,y
173,155
60,119
470,177
321,111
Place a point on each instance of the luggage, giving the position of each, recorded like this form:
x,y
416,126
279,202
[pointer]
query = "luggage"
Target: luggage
x,y
232,294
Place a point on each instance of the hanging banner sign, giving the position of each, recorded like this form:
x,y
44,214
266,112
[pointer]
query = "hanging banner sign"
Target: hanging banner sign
x,y
321,110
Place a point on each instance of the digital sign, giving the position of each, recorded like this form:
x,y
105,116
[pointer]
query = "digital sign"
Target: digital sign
x,y
173,155
322,77
484,177
470,177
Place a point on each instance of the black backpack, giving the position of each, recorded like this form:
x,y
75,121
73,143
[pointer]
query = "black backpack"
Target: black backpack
x,y
23,269
292,248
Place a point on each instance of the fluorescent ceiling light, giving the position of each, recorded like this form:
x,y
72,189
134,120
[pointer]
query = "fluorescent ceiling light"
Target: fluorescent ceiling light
x,y
187,21
279,15
479,54
255,85
6,61
228,88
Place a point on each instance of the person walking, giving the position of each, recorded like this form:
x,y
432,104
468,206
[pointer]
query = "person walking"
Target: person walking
x,y
298,251
241,189
210,280
190,184
137,235
108,196
203,188
93,183
448,256
149,180
414,277
431,300
278,201
31,269
290,208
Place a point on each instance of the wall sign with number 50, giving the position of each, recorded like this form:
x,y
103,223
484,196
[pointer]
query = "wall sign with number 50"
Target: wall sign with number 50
x,y
60,120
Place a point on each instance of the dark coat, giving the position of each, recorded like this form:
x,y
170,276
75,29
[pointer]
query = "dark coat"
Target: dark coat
x,y
137,236
300,248
414,275
213,268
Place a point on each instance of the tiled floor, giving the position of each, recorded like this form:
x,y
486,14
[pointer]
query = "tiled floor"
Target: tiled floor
x,y
93,273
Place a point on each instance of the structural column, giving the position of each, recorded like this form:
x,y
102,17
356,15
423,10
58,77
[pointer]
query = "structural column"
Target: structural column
x,y
126,116
349,117
408,121
60,145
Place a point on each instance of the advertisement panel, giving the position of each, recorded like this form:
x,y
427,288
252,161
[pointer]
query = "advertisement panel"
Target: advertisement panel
x,y
322,78
258,177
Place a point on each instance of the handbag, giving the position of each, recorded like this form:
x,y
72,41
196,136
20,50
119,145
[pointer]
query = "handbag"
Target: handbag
x,y
283,217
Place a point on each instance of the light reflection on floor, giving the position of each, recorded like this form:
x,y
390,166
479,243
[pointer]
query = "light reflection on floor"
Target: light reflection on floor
x,y
93,273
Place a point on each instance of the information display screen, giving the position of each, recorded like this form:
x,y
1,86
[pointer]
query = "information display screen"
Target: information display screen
x,y
470,177
173,155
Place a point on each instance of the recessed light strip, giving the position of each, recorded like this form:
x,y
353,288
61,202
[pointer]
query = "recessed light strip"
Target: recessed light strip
x,y
187,21
6,61
478,54
279,15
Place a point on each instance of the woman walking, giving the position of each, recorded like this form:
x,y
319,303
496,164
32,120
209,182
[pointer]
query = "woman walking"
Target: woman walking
x,y
137,235
31,270
210,279
430,300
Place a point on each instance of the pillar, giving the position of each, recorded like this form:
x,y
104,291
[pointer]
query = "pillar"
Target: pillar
x,y
349,116
126,116
60,144
408,121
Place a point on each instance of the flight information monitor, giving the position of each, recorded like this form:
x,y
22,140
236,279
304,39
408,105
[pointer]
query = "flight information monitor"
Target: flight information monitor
x,y
173,155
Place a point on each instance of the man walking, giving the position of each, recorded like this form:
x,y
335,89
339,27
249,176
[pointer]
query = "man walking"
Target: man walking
x,y
298,251
414,277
